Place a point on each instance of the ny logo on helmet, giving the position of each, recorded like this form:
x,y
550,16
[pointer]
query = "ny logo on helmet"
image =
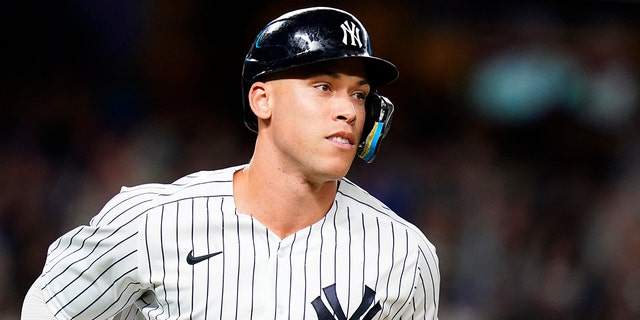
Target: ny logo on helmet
x,y
351,30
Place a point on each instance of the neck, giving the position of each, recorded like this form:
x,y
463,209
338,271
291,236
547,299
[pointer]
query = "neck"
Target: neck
x,y
284,202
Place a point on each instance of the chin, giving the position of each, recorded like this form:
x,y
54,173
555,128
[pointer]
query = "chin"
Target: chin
x,y
332,167
339,171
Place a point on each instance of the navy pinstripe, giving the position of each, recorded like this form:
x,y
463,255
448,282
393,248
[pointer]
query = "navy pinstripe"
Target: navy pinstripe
x,y
130,261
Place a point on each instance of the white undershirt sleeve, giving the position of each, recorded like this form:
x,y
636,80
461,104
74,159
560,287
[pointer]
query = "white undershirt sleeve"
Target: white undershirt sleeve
x,y
34,307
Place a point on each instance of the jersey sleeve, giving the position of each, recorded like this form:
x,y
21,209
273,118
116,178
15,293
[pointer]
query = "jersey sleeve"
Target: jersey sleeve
x,y
92,271
427,283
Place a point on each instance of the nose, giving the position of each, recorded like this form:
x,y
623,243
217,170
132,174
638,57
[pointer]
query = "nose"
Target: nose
x,y
345,110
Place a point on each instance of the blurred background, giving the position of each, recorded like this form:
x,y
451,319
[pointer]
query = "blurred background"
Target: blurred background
x,y
515,144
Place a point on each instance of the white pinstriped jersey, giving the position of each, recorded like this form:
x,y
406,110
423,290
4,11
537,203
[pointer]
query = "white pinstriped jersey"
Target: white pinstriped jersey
x,y
361,261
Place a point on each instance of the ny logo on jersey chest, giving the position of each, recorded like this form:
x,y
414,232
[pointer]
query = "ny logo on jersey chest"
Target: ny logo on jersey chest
x,y
365,311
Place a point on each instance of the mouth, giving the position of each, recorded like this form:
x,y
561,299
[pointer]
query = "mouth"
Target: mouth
x,y
340,140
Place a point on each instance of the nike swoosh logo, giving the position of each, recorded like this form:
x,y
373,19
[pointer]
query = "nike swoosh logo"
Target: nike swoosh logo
x,y
191,259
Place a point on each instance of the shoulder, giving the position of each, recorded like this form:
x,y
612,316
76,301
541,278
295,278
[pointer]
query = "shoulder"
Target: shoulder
x,y
399,232
352,192
361,200
133,201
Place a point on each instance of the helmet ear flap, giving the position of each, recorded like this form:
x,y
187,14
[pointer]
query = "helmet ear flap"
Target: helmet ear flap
x,y
376,125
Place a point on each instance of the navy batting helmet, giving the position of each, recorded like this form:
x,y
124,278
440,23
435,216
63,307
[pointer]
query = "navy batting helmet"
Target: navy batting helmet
x,y
313,35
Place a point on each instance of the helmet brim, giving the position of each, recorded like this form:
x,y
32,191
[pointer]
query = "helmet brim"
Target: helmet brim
x,y
378,72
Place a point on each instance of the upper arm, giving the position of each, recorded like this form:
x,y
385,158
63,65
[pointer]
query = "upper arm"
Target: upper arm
x,y
92,272
34,306
428,282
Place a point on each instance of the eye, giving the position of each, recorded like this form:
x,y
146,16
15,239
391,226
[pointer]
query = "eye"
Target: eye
x,y
360,96
323,87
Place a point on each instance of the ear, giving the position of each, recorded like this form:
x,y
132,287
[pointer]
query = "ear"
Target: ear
x,y
259,101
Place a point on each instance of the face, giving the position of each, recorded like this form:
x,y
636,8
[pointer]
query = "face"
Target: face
x,y
311,119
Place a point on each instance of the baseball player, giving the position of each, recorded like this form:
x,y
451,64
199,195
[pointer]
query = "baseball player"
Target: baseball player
x,y
285,236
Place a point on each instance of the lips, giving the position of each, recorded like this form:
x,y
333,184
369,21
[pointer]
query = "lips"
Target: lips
x,y
344,138
340,140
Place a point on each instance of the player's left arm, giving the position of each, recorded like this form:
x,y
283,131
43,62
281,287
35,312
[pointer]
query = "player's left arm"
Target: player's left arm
x,y
426,297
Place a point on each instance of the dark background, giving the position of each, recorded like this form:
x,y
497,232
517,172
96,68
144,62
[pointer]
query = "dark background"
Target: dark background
x,y
514,145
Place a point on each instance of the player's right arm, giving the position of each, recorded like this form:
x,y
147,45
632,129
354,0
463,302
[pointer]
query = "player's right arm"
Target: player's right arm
x,y
34,307
91,272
